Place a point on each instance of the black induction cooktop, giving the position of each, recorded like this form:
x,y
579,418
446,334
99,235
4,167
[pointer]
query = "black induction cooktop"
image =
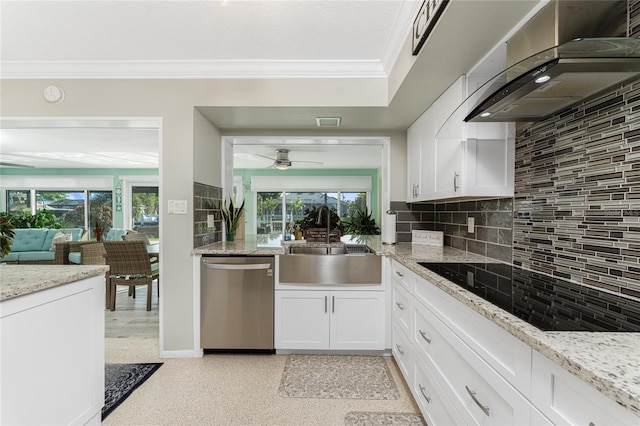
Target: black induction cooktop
x,y
548,303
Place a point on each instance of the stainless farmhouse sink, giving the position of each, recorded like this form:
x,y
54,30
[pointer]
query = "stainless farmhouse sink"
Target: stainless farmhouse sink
x,y
349,264
346,249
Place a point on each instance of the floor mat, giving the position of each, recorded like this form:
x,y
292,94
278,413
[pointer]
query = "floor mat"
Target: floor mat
x,y
120,380
370,418
337,376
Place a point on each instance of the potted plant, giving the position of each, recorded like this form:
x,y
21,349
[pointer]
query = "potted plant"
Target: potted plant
x,y
231,216
360,222
6,236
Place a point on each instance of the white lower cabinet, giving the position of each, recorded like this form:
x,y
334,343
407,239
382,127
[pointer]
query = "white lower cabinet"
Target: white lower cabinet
x,y
481,394
466,370
435,406
565,399
329,320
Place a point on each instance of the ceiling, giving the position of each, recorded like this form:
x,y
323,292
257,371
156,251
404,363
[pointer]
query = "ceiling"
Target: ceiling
x,y
238,38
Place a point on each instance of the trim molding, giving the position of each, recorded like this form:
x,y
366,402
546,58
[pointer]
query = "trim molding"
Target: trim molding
x,y
193,69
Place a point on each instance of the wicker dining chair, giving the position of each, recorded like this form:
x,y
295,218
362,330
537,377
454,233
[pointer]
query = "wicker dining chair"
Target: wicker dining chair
x,y
129,265
136,237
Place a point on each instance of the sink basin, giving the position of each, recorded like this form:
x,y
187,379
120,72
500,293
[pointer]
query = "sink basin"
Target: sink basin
x,y
344,265
316,250
346,249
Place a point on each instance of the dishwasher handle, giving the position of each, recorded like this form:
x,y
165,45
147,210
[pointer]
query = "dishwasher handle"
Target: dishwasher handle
x,y
237,266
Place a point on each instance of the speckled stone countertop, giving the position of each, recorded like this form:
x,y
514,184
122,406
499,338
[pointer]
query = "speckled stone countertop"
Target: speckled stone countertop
x,y
610,362
20,280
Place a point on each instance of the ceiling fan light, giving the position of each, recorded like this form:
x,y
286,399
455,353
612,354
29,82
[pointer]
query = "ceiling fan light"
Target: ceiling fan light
x,y
281,166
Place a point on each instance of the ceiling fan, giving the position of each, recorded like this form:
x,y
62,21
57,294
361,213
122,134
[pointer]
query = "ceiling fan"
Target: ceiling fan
x,y
7,164
282,161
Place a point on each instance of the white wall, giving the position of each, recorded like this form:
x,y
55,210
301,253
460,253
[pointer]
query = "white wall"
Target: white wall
x,y
207,143
173,101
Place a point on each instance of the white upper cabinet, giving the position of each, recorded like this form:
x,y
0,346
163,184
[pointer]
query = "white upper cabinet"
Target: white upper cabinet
x,y
448,158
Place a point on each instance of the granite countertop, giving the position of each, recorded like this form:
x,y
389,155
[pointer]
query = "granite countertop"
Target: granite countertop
x,y
610,362
263,245
20,280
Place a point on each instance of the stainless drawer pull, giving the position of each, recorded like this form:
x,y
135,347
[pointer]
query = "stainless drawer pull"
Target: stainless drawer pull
x,y
592,424
400,306
325,304
400,274
424,336
472,394
333,305
400,349
422,389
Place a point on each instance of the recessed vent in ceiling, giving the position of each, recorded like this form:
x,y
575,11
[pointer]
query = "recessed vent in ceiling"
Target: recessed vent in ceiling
x,y
328,121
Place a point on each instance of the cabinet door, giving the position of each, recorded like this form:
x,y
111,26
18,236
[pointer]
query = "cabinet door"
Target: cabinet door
x,y
301,319
448,168
357,320
436,408
413,161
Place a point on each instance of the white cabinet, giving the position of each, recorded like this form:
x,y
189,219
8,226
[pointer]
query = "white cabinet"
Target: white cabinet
x,y
448,158
565,399
52,355
464,369
323,320
420,151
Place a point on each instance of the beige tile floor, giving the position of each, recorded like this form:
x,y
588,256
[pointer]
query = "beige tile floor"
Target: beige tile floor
x,y
216,389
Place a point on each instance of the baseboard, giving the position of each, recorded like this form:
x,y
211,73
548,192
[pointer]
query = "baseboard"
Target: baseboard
x,y
186,353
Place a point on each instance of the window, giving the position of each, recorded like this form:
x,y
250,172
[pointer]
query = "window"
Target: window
x,y
73,209
145,207
100,210
273,216
67,206
18,201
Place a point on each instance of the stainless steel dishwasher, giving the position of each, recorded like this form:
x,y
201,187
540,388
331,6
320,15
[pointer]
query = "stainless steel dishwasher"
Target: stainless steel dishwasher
x,y
236,303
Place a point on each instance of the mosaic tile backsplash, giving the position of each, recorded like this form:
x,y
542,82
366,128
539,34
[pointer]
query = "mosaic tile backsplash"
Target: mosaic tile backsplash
x,y
577,193
493,229
207,200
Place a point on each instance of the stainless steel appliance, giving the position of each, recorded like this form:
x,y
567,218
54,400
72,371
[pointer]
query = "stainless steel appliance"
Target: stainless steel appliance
x,y
236,303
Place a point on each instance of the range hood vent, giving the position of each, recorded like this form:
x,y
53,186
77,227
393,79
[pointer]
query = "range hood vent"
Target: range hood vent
x,y
567,70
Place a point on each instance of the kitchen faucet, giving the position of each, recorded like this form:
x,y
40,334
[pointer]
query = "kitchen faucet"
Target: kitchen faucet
x,y
319,219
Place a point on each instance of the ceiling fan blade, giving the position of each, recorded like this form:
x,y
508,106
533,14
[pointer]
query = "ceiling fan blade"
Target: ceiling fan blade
x,y
7,164
264,156
301,161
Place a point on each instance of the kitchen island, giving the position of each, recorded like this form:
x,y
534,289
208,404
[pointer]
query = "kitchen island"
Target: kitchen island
x,y
52,346
608,362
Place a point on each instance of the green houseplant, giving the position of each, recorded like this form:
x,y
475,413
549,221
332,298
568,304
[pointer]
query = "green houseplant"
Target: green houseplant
x,y
360,222
231,217
6,236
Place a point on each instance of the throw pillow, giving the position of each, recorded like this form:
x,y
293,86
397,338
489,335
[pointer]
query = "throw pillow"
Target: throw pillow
x,y
59,237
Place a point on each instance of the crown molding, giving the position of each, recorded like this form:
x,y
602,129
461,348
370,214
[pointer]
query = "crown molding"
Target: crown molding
x,y
400,30
192,69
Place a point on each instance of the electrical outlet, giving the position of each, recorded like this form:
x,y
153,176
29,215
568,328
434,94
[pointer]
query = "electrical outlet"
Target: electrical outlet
x,y
471,222
210,221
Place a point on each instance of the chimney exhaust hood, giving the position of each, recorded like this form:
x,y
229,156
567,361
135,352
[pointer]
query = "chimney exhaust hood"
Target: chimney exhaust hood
x,y
559,77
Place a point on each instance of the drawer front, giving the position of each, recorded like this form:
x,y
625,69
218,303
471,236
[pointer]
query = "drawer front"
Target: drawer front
x,y
402,353
436,408
505,353
402,306
402,275
472,384
565,399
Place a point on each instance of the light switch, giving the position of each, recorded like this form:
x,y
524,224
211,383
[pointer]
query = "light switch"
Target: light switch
x,y
471,222
177,207
210,221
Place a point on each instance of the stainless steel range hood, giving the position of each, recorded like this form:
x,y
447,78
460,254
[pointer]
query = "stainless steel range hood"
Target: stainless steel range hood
x,y
559,77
